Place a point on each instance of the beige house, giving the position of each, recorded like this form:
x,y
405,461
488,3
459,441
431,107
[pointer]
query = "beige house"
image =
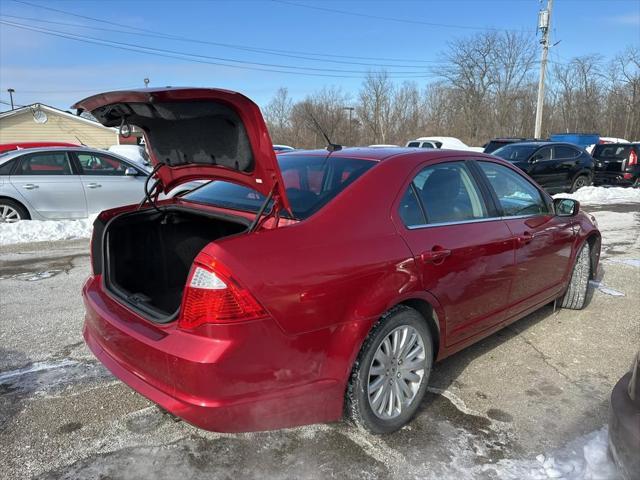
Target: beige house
x,y
41,123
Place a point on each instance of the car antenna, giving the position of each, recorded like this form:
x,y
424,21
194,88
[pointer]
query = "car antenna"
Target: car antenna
x,y
331,147
81,142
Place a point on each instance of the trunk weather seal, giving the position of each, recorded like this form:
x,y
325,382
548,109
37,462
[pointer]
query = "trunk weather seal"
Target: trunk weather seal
x,y
118,294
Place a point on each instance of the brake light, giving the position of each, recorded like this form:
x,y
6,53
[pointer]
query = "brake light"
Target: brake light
x,y
633,158
212,296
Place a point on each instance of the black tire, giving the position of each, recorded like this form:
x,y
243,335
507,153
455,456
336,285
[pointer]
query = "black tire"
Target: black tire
x,y
358,404
576,295
580,181
7,203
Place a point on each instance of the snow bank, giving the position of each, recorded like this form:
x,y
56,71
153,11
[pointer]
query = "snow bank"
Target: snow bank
x,y
47,230
603,195
584,459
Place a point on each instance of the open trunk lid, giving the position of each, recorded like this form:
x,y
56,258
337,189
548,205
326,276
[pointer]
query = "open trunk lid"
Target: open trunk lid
x,y
198,133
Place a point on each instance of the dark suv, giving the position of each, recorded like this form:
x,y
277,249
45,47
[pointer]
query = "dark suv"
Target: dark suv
x,y
617,164
557,167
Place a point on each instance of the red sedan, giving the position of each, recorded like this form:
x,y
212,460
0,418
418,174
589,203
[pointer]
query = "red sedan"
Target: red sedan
x,y
287,289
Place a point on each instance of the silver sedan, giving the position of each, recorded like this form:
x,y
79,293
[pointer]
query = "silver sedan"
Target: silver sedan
x,y
55,183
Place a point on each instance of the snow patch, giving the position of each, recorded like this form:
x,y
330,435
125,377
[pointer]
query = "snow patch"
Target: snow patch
x,y
27,231
631,262
586,458
604,289
603,195
618,228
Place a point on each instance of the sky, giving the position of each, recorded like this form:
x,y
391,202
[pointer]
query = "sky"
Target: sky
x,y
258,46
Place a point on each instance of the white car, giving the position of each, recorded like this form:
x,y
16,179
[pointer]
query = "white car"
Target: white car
x,y
135,153
449,143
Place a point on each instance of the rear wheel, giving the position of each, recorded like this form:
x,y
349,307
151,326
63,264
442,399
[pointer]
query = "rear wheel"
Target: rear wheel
x,y
576,295
579,182
11,212
390,377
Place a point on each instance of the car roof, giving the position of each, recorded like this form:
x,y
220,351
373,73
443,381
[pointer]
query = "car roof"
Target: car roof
x,y
541,143
379,154
17,153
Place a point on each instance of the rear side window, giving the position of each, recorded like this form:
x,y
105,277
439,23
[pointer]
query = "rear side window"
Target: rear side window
x,y
5,168
565,152
311,182
97,164
48,163
410,210
516,195
447,193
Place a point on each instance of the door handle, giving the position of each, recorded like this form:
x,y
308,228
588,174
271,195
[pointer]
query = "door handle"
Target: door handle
x,y
93,185
436,255
31,186
524,239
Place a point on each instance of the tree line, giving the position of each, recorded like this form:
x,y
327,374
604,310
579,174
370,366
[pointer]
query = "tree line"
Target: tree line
x,y
484,87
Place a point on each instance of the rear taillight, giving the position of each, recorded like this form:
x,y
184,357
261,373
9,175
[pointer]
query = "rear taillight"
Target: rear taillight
x,y
213,296
633,158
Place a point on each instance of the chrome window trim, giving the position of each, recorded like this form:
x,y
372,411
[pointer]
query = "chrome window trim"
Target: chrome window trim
x,y
475,220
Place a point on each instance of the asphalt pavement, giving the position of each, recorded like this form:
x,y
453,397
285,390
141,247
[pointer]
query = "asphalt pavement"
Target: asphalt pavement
x,y
531,388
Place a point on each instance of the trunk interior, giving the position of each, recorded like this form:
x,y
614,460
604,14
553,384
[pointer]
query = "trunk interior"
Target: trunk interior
x,y
149,255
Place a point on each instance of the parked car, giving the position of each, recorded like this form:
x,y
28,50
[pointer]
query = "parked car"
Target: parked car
x,y
495,143
624,422
8,147
557,167
52,183
136,153
450,143
282,148
617,164
291,287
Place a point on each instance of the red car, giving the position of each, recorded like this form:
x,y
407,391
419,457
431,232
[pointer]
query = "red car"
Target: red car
x,y
9,147
287,289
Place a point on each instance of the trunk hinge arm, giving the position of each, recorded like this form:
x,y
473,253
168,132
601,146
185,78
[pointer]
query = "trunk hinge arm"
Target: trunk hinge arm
x,y
152,195
274,212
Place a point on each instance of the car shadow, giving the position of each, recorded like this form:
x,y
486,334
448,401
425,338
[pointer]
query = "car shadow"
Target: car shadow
x,y
448,371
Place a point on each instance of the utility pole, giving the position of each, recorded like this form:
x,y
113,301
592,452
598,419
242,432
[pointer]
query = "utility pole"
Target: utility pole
x,y
351,109
544,24
11,92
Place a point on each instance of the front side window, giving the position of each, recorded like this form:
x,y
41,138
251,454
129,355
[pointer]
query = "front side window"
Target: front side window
x,y
310,181
98,164
542,154
47,163
516,195
448,194
515,152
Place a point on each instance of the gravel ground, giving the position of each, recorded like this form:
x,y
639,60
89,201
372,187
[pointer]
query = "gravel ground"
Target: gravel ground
x,y
531,388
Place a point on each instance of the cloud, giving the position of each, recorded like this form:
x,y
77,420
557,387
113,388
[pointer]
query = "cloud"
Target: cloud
x,y
631,19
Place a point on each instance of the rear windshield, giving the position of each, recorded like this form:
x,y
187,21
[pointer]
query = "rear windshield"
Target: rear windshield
x,y
605,151
311,182
515,152
413,144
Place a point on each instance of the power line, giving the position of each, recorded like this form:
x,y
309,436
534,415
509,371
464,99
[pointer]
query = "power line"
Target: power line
x,y
219,44
206,59
228,45
391,19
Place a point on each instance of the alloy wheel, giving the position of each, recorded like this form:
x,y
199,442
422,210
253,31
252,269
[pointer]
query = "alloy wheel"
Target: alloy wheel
x,y
396,372
8,214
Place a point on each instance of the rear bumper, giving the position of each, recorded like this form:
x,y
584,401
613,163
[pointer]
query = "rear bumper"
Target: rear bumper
x,y
626,178
624,430
232,381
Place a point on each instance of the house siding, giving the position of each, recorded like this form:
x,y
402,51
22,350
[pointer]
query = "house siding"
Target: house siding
x,y
58,128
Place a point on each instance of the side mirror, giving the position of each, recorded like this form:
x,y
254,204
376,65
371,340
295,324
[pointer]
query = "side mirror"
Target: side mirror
x,y
131,172
566,207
